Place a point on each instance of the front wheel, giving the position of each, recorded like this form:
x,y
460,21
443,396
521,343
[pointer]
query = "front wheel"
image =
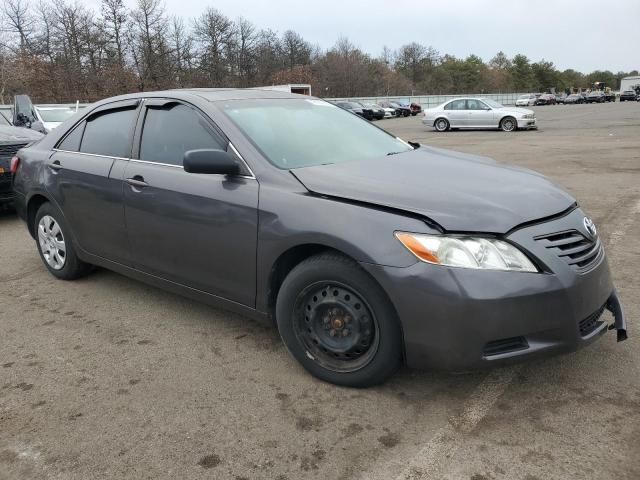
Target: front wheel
x,y
508,124
338,323
441,125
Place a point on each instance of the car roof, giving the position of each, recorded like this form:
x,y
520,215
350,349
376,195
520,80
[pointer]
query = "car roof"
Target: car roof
x,y
214,94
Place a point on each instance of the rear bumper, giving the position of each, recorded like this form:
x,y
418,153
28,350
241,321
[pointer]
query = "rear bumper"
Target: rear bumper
x,y
459,319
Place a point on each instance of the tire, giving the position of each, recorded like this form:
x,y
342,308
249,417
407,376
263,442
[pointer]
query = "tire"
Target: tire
x,y
508,124
406,114
54,244
441,125
338,322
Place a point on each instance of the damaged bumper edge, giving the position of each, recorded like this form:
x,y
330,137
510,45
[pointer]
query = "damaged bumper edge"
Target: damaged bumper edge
x,y
620,324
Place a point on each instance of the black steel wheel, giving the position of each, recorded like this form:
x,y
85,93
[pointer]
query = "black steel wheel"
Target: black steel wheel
x,y
336,326
338,322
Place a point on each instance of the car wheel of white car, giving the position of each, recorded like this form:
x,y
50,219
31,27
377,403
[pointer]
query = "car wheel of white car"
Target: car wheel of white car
x,y
508,124
441,125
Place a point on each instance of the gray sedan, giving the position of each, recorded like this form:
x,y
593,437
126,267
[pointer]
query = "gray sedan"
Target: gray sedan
x,y
478,113
366,251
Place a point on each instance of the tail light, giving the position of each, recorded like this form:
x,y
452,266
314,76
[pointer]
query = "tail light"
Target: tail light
x,y
15,163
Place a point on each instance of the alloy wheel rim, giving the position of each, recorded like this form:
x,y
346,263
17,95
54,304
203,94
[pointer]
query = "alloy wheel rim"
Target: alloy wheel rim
x,y
52,243
441,125
336,326
508,125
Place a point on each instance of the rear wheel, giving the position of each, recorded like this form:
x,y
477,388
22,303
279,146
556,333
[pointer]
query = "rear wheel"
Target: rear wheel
x,y
55,246
508,124
338,323
441,125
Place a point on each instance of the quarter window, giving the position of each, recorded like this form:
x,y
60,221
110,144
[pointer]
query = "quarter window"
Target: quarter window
x,y
71,143
108,133
171,131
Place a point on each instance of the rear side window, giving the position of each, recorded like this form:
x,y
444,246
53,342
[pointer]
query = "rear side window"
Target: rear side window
x,y
456,105
168,132
108,133
71,143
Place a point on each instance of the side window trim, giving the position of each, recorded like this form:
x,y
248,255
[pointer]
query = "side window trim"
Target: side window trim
x,y
81,124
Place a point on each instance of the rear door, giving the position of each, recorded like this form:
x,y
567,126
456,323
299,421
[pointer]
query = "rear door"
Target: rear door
x,y
193,229
457,113
85,173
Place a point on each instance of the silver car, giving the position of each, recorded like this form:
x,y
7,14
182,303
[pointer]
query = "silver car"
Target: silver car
x,y
478,113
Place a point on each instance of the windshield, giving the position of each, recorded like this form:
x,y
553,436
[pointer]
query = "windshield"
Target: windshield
x,y
56,114
492,104
294,133
4,121
524,97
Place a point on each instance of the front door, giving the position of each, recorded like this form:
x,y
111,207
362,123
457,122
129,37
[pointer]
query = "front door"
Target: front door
x,y
479,114
193,229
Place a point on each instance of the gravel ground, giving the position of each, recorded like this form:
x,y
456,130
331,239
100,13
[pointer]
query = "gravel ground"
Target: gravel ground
x,y
109,378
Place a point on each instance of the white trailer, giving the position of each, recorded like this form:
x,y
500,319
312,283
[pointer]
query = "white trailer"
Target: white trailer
x,y
300,88
629,83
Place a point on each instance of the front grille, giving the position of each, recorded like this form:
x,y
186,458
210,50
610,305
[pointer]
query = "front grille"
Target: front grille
x,y
8,151
573,247
591,323
505,345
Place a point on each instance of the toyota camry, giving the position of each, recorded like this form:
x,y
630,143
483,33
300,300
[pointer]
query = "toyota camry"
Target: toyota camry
x,y
366,251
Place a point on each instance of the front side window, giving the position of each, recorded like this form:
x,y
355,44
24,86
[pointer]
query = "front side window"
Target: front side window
x,y
294,133
170,131
476,105
109,133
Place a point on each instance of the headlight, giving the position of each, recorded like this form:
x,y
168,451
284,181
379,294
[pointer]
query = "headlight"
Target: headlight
x,y
466,252
529,115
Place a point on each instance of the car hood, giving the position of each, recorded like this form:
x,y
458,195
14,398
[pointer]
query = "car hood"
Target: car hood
x,y
18,134
515,110
458,191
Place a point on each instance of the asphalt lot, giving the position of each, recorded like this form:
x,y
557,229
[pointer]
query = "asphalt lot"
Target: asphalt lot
x,y
109,378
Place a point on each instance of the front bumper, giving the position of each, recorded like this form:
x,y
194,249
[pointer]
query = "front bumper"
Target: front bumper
x,y
527,123
459,319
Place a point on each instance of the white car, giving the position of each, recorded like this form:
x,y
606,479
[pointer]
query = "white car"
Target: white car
x,y
526,100
53,115
478,113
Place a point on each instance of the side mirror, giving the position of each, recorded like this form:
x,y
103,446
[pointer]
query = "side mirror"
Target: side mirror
x,y
210,161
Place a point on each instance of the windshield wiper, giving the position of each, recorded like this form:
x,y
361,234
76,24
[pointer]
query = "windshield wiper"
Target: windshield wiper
x,y
393,153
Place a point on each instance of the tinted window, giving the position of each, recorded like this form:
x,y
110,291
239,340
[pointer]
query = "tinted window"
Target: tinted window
x,y
169,132
71,143
456,105
108,133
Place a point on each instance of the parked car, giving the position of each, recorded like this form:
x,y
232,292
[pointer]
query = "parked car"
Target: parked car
x,y
414,108
52,116
401,110
478,113
574,98
355,107
378,112
561,98
596,96
12,139
526,100
389,112
628,96
366,251
546,99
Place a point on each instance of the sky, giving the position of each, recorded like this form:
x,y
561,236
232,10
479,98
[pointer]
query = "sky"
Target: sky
x,y
585,35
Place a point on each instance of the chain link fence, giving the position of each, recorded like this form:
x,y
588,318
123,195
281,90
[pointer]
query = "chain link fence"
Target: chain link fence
x,y
429,101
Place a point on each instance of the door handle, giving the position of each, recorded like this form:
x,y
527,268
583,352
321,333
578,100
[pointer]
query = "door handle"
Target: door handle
x,y
55,165
137,181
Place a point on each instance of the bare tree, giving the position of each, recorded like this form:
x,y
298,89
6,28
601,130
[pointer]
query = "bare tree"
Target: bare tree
x,y
214,33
